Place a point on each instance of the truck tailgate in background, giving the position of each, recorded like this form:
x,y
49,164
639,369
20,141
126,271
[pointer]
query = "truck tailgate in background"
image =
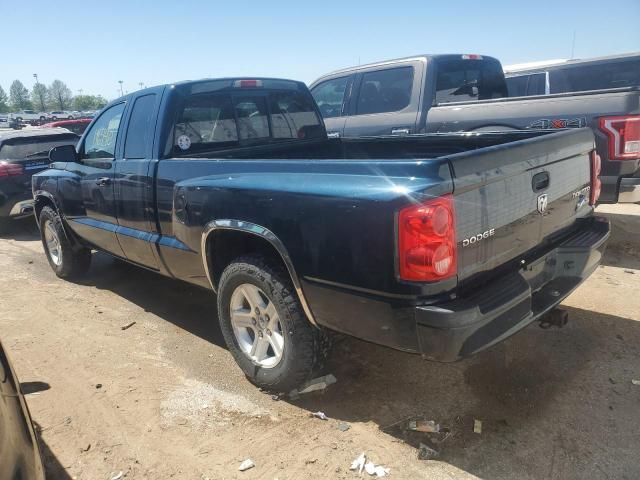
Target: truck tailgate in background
x,y
510,198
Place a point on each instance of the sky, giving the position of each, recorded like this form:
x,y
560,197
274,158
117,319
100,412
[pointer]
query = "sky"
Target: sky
x,y
90,44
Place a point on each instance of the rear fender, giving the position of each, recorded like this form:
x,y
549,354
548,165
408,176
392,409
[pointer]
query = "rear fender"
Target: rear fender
x,y
262,232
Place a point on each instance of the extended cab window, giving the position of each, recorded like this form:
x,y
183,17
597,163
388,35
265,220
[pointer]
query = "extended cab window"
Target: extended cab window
x,y
329,96
385,91
140,129
101,139
461,80
213,121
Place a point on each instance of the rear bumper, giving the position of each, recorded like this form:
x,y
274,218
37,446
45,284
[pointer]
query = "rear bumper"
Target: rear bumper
x,y
462,327
16,199
620,189
629,190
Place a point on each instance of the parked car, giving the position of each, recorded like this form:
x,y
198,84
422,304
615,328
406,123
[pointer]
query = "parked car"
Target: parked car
x,y
468,93
570,76
27,116
23,153
77,126
437,244
20,456
60,115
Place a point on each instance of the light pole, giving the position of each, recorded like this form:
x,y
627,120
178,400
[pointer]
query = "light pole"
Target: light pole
x,y
121,92
39,93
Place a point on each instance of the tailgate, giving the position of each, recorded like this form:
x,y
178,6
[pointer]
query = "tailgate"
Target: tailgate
x,y
512,197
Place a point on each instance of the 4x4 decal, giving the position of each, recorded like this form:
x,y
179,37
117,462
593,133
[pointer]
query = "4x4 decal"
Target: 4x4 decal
x,y
545,123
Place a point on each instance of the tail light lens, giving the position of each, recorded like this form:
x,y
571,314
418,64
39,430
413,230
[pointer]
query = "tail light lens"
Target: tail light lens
x,y
623,133
427,241
596,183
10,169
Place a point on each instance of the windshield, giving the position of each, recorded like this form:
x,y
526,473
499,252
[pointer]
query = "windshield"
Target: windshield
x,y
461,80
21,148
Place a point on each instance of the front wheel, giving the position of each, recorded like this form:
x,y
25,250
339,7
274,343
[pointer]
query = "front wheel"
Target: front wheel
x,y
265,327
65,260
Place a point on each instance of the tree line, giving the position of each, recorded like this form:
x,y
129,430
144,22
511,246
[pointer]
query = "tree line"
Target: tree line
x,y
56,96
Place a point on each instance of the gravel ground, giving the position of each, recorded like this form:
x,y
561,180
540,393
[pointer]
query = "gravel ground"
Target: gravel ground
x,y
164,399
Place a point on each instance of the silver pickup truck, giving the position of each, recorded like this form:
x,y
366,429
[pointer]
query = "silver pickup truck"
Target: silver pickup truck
x,y
453,93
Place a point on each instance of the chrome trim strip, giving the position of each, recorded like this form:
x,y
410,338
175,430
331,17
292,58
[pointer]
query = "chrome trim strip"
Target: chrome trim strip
x,y
265,233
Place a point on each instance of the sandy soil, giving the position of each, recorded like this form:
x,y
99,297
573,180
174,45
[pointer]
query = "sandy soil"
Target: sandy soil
x,y
163,399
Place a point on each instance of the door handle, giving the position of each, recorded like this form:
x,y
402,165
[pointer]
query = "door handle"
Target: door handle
x,y
333,134
540,181
399,131
103,181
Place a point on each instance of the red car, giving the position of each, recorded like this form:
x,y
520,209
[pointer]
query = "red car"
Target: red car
x,y
76,126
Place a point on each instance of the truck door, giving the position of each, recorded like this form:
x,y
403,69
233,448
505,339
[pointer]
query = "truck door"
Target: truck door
x,y
137,232
332,97
386,101
94,219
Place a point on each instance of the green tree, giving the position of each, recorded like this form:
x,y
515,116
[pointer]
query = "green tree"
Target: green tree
x,y
39,97
4,101
59,95
88,102
19,96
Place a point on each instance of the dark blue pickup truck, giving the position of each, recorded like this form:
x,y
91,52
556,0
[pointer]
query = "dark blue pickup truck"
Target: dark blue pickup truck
x,y
438,244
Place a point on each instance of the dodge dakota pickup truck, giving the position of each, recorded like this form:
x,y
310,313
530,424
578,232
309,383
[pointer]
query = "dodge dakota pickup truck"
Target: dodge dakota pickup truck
x,y
451,93
440,245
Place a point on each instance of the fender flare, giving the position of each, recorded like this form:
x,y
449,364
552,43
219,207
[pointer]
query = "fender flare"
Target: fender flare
x,y
265,234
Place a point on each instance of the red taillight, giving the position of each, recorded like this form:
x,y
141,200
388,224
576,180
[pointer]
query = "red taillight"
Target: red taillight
x,y
624,136
427,241
596,183
10,169
472,56
247,83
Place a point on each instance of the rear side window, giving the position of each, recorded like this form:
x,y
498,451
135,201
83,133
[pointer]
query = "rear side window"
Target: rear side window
x,y
461,80
385,91
140,129
329,96
601,76
215,121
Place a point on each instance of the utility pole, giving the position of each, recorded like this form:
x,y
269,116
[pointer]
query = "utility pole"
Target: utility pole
x,y
121,92
141,84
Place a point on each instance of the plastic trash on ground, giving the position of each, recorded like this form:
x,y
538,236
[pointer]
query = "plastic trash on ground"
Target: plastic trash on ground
x,y
246,465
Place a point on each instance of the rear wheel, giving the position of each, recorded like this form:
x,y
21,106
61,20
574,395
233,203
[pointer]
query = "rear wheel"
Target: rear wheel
x,y
65,260
264,326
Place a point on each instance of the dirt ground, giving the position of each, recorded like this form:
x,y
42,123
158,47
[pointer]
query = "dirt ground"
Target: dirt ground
x,y
163,399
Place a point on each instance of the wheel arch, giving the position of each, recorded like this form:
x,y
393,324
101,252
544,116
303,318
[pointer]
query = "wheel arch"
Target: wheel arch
x,y
41,200
241,238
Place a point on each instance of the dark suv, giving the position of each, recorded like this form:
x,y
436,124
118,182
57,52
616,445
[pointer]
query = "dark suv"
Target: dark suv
x,y
23,153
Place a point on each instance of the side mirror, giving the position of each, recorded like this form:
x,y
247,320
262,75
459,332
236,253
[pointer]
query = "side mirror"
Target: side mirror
x,y
63,153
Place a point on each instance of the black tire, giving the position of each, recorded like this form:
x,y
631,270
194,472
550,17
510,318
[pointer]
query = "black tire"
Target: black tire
x,y
42,119
19,119
305,346
4,225
69,261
